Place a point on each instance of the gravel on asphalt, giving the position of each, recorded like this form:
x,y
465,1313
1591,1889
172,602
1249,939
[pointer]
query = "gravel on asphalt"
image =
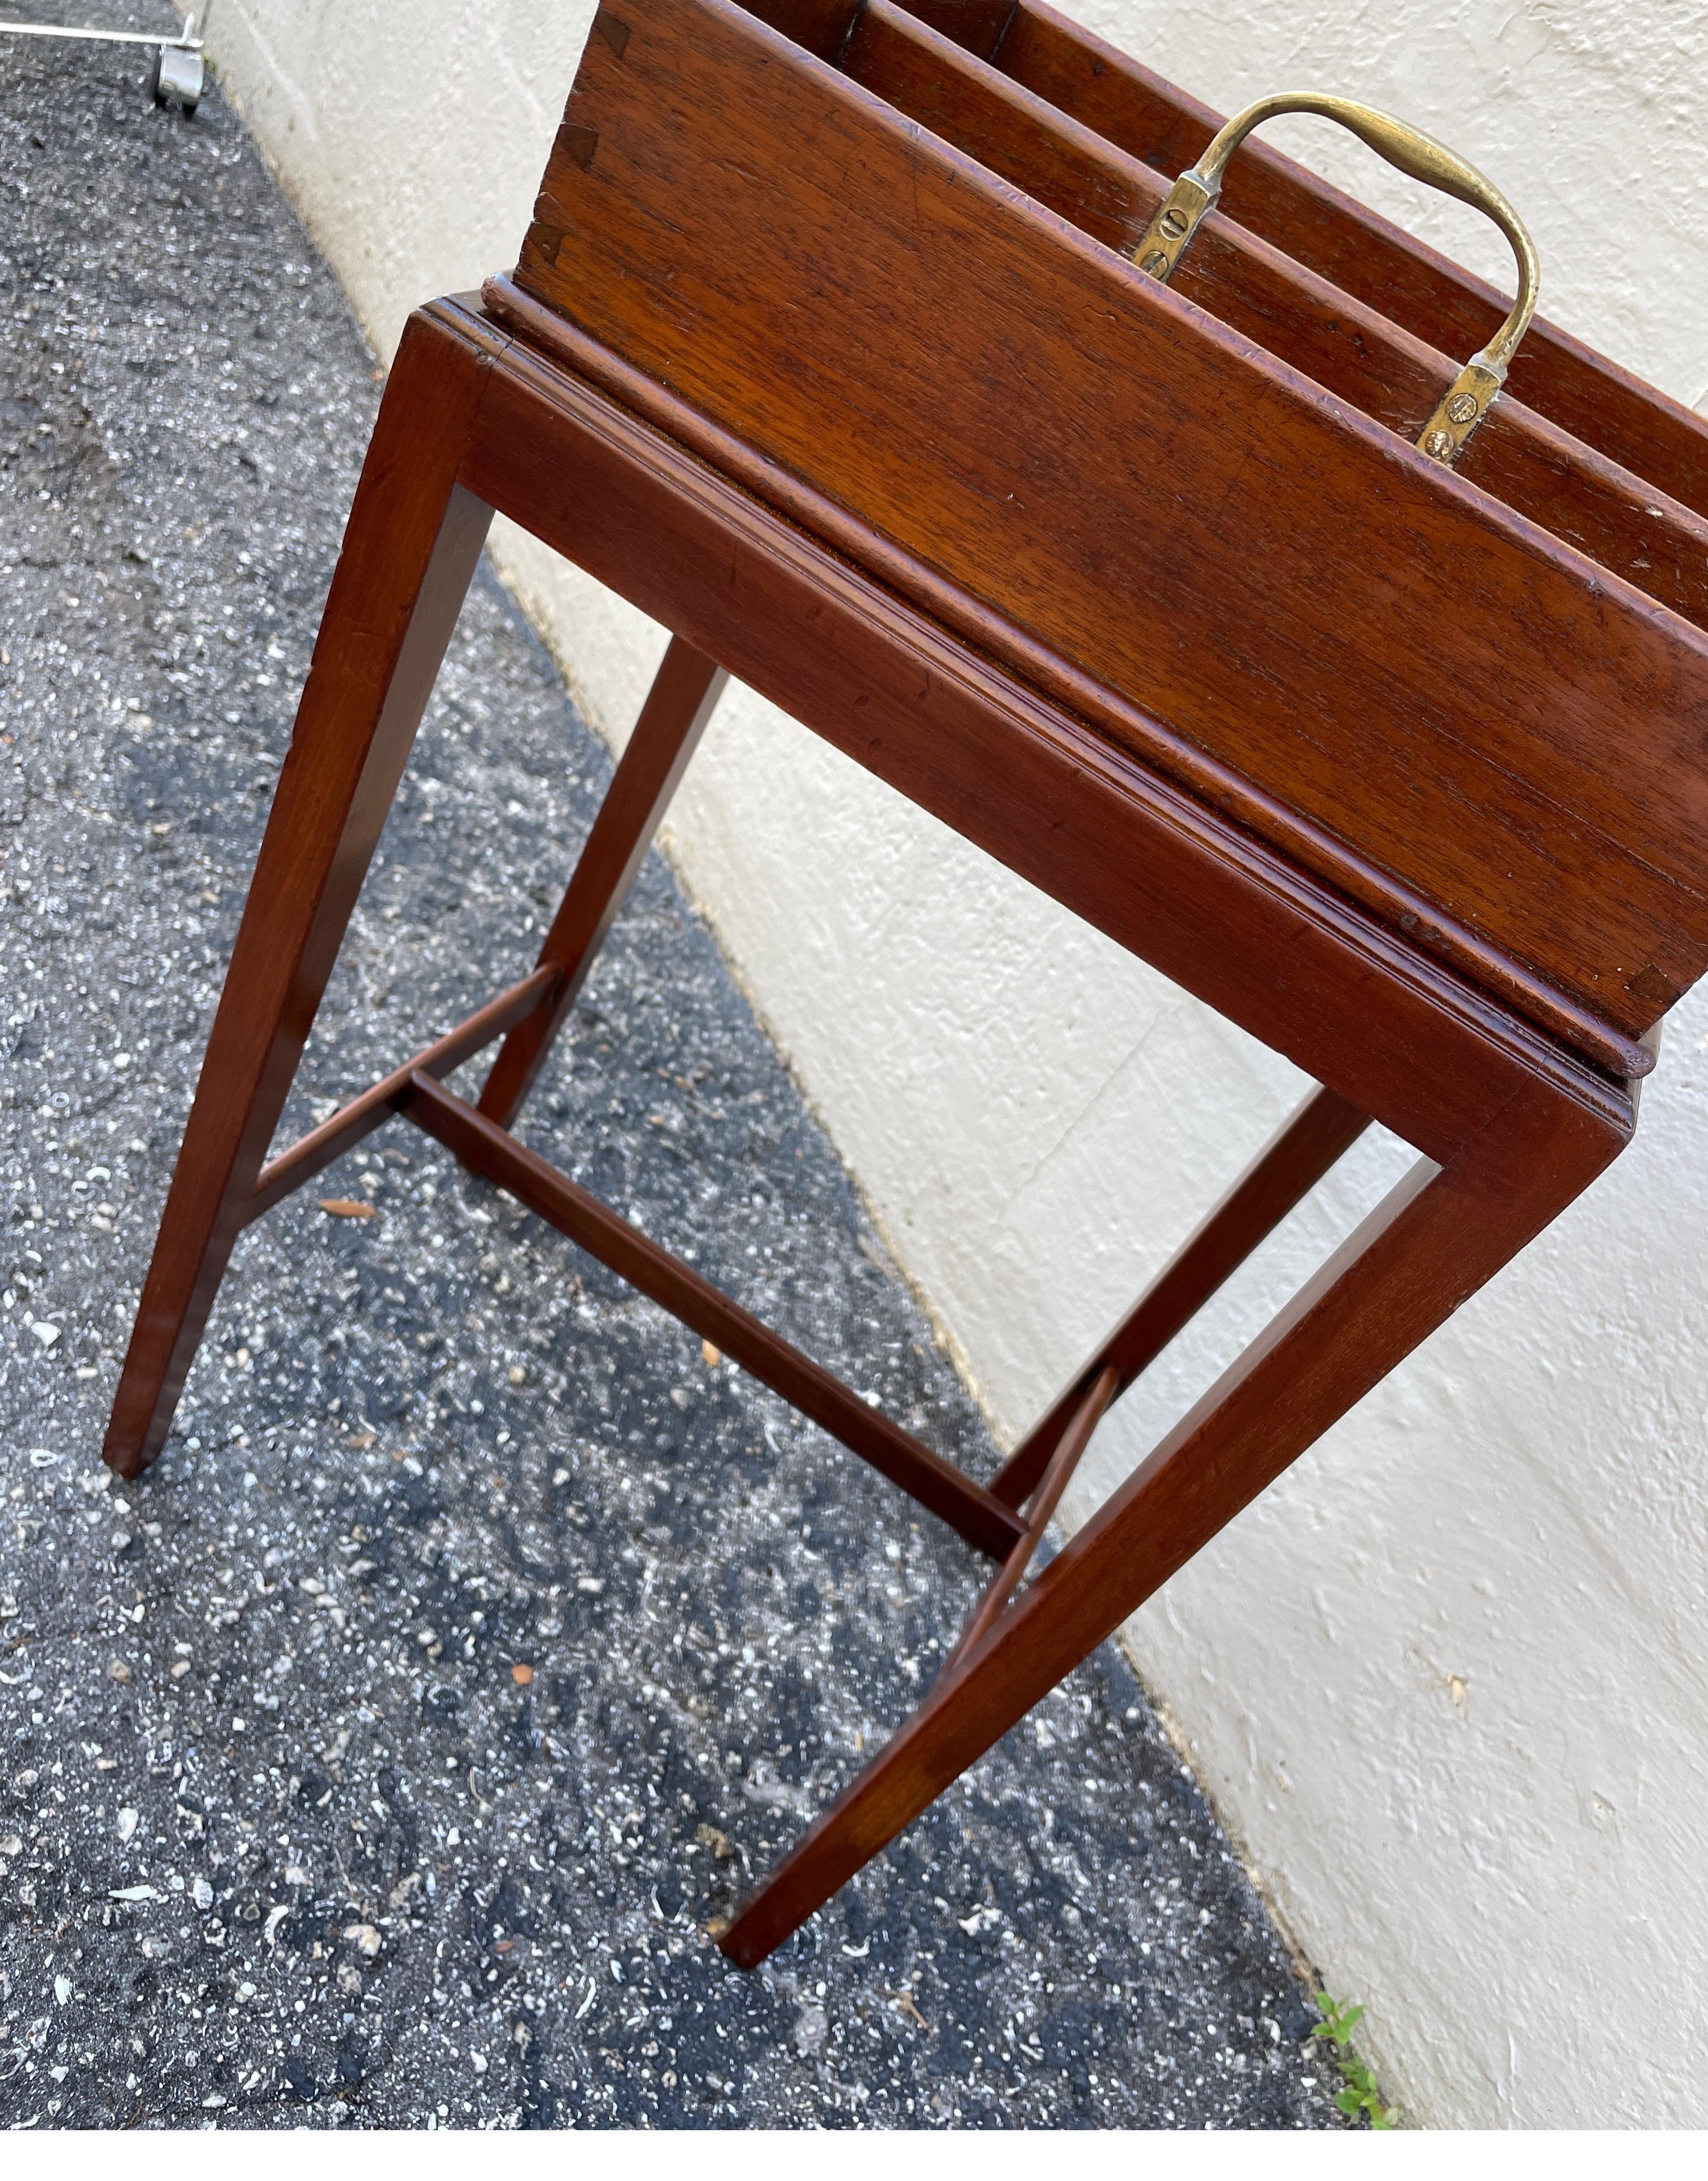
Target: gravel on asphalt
x,y
382,1757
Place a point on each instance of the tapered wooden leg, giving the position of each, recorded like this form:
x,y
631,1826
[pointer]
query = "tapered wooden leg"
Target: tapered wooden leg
x,y
679,705
1281,1175
1433,1242
1063,1462
410,550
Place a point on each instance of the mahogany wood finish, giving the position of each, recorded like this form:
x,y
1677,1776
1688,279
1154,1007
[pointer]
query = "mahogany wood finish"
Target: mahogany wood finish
x,y
344,1130
1074,692
485,1148
1624,522
1209,904
680,702
1281,1176
1542,791
1057,1475
1352,247
1094,641
387,623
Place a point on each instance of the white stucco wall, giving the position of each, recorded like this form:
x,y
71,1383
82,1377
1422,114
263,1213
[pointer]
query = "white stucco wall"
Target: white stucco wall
x,y
1449,1681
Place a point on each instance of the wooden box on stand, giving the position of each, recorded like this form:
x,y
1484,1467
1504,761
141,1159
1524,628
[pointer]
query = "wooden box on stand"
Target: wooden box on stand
x,y
1121,494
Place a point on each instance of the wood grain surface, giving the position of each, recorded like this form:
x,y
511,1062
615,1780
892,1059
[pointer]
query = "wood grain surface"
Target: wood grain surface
x,y
1360,1007
1625,522
1468,703
1101,717
1364,256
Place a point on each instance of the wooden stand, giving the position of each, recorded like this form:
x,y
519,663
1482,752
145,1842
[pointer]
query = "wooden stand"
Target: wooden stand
x,y
1514,1081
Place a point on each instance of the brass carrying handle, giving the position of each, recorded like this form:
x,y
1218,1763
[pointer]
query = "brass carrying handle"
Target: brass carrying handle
x,y
1466,402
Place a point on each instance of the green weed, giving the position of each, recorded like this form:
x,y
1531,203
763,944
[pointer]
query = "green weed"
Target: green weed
x,y
1360,2094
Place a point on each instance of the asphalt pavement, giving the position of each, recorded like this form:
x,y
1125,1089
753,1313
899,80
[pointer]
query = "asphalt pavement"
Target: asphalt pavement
x,y
381,1759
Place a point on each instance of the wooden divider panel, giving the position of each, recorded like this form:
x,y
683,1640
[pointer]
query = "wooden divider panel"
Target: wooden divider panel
x,y
1455,695
1555,374
1620,520
1138,112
